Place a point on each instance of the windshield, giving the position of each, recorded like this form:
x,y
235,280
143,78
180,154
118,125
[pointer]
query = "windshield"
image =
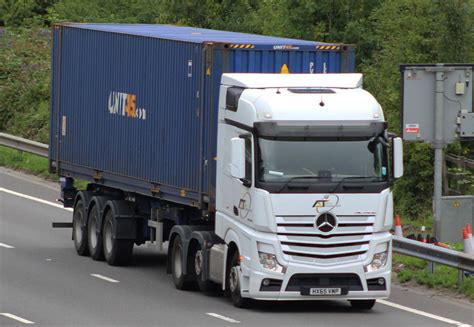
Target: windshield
x,y
282,159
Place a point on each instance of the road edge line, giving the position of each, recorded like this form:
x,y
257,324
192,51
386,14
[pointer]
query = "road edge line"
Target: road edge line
x,y
423,313
3,245
216,315
110,280
32,198
20,319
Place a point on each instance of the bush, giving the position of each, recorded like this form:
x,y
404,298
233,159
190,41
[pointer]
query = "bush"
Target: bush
x,y
24,82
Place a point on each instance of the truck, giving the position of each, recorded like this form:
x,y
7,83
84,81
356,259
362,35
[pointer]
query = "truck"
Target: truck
x,y
258,162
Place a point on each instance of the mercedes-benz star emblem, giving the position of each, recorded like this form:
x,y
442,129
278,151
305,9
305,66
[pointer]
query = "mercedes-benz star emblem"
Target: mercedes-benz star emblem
x,y
326,223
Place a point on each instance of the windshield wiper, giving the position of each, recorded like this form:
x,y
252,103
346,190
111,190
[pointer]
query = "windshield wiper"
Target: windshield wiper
x,y
351,177
298,177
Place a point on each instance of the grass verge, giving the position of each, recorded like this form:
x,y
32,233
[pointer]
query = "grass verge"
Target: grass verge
x,y
31,163
411,269
28,162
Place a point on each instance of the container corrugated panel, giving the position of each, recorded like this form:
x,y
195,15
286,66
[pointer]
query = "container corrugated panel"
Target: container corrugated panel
x,y
136,105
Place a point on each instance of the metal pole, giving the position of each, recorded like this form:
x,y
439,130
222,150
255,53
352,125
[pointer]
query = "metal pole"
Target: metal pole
x,y
431,267
438,145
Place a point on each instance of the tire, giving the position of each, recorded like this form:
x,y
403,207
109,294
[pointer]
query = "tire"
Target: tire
x,y
180,279
94,234
116,252
233,282
79,228
196,260
362,304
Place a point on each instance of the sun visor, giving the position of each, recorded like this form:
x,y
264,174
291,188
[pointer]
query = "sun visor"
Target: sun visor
x,y
326,129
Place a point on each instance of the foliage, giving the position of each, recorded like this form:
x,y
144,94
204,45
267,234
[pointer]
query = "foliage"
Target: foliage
x,y
103,11
24,82
386,33
462,176
329,21
409,31
24,13
225,14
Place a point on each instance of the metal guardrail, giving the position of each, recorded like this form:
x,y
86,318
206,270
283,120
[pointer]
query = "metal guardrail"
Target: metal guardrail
x,y
22,144
433,253
460,161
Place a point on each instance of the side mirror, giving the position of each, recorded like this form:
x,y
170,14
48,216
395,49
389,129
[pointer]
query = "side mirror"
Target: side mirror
x,y
237,154
397,157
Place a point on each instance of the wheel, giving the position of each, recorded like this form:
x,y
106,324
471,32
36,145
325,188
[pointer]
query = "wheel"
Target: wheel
x,y
116,252
180,279
94,234
195,254
233,282
78,229
362,304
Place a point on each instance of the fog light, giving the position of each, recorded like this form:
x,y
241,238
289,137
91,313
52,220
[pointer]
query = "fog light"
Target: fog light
x,y
266,282
381,281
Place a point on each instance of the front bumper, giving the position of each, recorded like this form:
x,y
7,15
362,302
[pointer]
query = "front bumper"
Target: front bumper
x,y
254,281
253,275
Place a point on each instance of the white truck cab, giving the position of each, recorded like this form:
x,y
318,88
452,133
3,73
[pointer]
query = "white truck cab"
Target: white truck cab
x,y
303,199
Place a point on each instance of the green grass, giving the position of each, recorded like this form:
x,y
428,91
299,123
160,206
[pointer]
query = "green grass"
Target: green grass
x,y
31,163
416,224
25,161
413,269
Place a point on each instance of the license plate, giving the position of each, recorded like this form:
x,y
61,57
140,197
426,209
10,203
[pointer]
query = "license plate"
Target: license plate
x,y
325,291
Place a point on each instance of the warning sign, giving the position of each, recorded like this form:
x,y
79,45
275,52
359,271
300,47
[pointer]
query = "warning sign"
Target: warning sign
x,y
412,128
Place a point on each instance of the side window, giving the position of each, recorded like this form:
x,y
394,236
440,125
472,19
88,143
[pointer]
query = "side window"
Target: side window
x,y
248,158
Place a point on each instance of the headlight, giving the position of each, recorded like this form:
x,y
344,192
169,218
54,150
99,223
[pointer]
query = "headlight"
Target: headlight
x,y
269,261
380,258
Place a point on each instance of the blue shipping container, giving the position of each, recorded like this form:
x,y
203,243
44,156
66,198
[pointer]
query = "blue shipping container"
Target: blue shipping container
x,y
135,106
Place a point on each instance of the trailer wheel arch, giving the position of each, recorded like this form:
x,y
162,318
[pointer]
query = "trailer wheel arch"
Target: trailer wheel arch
x,y
118,241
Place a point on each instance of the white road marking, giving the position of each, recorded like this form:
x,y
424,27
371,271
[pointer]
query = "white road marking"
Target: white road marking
x,y
9,315
3,245
32,198
425,314
216,315
105,278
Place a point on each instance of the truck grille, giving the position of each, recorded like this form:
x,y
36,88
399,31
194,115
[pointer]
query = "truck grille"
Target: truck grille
x,y
301,241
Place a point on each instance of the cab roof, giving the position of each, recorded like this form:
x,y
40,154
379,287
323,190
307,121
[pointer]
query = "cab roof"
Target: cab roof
x,y
347,81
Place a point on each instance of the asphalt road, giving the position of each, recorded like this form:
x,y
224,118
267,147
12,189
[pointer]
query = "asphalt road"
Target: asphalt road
x,y
43,281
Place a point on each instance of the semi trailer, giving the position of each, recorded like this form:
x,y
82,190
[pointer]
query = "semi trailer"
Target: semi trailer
x,y
259,161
